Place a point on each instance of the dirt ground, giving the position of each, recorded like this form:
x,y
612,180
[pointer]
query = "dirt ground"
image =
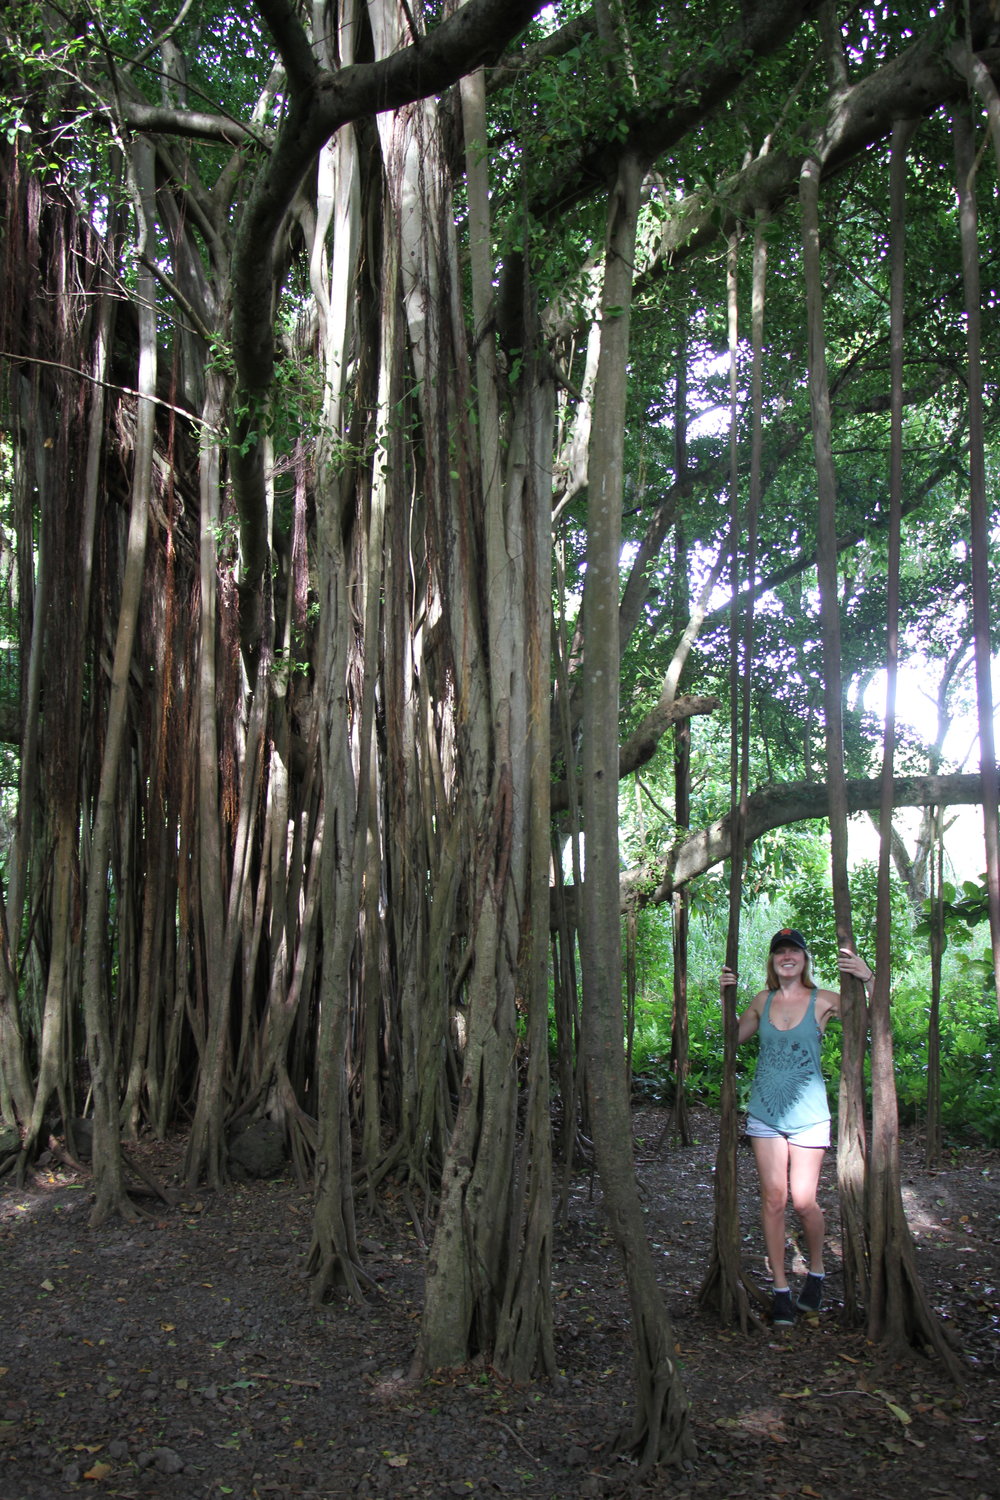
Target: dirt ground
x,y
180,1358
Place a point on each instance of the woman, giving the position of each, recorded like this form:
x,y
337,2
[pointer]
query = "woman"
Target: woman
x,y
789,1114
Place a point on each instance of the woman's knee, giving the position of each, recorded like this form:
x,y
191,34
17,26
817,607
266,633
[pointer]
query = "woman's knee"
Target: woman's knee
x,y
773,1200
806,1205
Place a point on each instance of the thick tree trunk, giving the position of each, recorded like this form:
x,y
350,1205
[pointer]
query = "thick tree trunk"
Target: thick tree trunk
x,y
16,1093
460,1308
147,976
474,1247
225,865
932,1121
516,490
724,1284
168,700
680,906
851,1146
109,1185
660,1432
291,875
723,1287
61,987
979,526
206,1153
64,717
899,1314
334,1260
525,1340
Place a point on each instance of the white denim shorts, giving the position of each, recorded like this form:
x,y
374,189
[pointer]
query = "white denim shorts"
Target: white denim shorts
x,y
812,1135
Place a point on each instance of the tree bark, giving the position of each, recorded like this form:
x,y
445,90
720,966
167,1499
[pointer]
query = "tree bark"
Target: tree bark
x,y
851,1145
680,906
63,595
730,1289
322,102
476,1246
525,1342
660,1432
724,1286
899,1313
932,1125
16,1093
979,527
110,1196
799,802
334,1260
217,879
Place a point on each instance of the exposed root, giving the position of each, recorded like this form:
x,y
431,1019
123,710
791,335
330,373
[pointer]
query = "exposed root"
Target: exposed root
x,y
331,1274
170,1199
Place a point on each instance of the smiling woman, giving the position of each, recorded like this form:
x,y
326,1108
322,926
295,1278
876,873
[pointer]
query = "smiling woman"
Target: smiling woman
x,y
789,1114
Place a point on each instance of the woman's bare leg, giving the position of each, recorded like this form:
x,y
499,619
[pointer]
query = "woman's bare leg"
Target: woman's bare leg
x,y
804,1166
771,1154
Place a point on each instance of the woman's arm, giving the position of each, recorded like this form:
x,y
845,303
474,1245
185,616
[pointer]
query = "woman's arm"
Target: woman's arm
x,y
828,1001
750,1019
850,963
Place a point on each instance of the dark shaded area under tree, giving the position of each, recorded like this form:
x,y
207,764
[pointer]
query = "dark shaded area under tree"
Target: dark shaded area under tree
x,y
180,1357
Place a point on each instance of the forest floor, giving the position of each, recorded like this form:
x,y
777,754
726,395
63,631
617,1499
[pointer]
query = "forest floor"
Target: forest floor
x,y
180,1357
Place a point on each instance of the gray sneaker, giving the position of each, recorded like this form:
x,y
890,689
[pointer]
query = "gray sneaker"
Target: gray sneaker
x,y
782,1311
810,1298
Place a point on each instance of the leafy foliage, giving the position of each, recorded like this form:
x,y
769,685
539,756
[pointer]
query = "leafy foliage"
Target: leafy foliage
x,y
961,915
970,1028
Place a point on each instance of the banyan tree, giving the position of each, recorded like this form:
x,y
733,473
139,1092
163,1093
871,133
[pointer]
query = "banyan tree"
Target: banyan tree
x,y
359,536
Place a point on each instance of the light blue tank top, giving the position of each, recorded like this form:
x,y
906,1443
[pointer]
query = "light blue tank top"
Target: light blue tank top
x,y
789,1092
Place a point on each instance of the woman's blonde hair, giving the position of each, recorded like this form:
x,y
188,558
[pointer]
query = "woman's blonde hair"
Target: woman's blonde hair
x,y
807,973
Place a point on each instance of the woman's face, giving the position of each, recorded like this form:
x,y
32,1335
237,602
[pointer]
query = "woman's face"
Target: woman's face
x,y
789,961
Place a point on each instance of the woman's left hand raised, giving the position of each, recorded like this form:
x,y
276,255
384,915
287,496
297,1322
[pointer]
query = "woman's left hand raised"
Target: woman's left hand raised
x,y
850,963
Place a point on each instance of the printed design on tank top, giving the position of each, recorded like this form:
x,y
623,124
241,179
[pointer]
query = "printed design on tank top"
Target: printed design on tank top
x,y
783,1076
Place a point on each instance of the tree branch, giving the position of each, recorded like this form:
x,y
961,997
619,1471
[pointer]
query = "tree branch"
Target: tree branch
x,y
510,69
776,807
911,85
641,746
282,21
192,124
799,801
687,100
321,104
